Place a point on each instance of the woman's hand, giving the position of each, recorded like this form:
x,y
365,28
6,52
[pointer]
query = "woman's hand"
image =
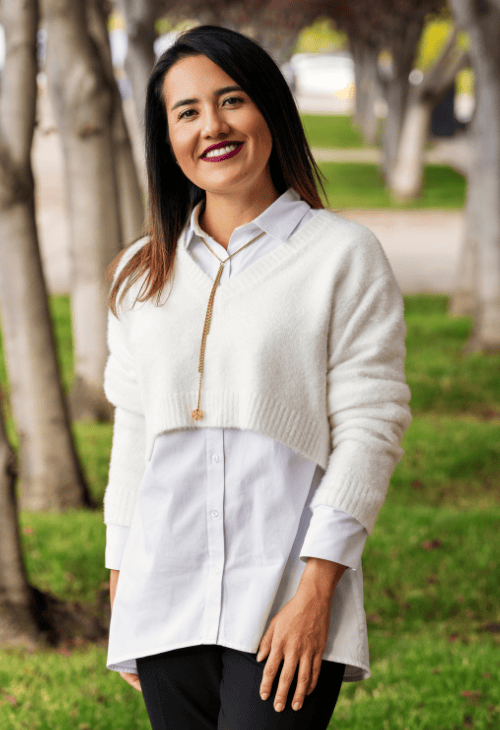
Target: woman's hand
x,y
132,679
298,633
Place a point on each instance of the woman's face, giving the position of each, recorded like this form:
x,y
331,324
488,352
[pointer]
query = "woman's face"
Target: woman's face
x,y
205,107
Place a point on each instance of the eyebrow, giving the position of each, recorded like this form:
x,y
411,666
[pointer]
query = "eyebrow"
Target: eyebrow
x,y
219,92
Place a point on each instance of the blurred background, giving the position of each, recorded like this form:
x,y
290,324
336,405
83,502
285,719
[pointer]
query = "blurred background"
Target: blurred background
x,y
400,100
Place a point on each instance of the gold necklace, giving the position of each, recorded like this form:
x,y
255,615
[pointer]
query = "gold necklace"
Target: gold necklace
x,y
197,413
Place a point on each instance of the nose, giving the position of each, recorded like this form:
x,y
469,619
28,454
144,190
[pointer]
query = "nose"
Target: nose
x,y
214,124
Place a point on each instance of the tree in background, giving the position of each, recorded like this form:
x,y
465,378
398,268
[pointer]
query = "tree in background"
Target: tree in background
x,y
88,110
478,291
50,475
140,16
130,205
275,24
394,25
18,624
405,181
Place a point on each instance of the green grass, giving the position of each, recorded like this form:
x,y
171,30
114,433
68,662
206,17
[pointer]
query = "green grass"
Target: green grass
x,y
339,131
441,377
59,691
360,185
64,556
449,462
424,682
432,594
332,131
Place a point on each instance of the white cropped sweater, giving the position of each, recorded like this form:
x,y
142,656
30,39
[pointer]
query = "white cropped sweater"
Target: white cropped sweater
x,y
306,346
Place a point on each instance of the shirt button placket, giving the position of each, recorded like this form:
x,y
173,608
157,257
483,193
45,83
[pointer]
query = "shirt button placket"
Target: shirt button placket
x,y
215,531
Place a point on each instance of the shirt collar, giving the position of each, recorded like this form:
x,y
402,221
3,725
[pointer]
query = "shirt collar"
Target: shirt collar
x,y
278,220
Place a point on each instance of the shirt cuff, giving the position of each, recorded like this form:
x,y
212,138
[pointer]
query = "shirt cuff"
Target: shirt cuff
x,y
334,535
116,539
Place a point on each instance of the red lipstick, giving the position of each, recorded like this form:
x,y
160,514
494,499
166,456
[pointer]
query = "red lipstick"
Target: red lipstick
x,y
222,157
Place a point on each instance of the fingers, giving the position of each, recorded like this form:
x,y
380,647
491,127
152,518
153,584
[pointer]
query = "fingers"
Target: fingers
x,y
307,679
304,681
316,669
132,679
286,677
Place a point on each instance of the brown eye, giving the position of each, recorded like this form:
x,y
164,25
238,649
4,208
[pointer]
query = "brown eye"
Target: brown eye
x,y
234,99
183,114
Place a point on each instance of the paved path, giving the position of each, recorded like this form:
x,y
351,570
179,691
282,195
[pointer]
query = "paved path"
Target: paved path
x,y
422,246
454,152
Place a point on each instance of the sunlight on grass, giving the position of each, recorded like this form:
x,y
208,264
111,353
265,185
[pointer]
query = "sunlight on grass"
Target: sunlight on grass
x,y
332,131
360,185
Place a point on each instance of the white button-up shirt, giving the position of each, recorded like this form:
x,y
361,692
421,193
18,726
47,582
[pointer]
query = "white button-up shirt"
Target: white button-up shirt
x,y
225,519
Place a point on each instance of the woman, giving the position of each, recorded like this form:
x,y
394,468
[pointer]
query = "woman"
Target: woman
x,y
260,407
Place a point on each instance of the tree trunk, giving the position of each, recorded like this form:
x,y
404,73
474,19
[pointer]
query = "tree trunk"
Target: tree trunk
x,y
50,474
405,180
140,18
277,40
463,300
481,21
403,51
18,625
131,207
367,89
83,105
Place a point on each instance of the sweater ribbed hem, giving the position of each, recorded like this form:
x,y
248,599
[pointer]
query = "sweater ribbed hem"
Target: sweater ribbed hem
x,y
245,410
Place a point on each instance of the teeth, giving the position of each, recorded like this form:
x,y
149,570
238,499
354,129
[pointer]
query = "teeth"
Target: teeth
x,y
222,150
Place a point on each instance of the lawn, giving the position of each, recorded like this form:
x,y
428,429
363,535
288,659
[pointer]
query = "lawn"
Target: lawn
x,y
432,594
332,131
338,131
351,185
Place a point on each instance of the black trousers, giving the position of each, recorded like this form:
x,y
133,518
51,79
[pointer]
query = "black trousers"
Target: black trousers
x,y
212,687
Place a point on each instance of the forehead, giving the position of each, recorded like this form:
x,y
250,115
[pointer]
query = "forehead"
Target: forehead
x,y
193,76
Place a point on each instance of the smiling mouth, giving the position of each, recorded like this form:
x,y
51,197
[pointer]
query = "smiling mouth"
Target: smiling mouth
x,y
223,153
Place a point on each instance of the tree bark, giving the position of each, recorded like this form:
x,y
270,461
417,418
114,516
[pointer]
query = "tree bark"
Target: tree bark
x,y
403,50
405,181
368,88
140,16
83,105
50,475
131,208
18,625
481,21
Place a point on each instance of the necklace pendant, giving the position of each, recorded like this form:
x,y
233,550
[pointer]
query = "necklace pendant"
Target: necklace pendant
x,y
197,414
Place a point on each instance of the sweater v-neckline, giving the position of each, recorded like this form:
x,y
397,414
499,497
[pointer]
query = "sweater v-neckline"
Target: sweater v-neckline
x,y
203,284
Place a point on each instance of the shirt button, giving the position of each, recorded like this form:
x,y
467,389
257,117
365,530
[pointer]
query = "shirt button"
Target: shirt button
x,y
215,571
215,458
215,513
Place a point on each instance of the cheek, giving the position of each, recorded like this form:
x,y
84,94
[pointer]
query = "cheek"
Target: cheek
x,y
180,146
264,135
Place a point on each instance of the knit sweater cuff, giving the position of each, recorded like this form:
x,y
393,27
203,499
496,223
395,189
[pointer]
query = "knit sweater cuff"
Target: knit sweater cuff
x,y
126,468
357,478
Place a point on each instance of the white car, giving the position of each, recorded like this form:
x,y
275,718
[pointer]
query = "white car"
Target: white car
x,y
321,73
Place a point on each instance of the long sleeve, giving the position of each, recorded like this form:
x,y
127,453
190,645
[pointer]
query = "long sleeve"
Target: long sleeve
x,y
116,539
367,395
334,535
126,467
127,461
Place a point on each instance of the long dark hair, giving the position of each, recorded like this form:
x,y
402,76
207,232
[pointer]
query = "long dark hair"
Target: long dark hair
x,y
172,195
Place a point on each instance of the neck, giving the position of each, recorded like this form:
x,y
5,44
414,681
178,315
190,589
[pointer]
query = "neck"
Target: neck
x,y
224,213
